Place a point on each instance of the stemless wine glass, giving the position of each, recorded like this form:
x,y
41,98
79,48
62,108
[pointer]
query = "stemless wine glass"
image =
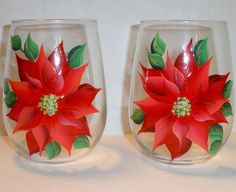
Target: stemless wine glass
x,y
54,93
180,99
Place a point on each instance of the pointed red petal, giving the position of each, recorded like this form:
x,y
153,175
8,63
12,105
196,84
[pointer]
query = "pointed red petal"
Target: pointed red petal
x,y
29,117
72,80
177,151
25,67
199,113
82,99
180,129
51,78
162,130
198,84
81,124
198,132
173,74
151,72
41,136
31,143
213,99
15,110
219,117
160,89
150,107
58,59
64,135
185,61
148,124
24,92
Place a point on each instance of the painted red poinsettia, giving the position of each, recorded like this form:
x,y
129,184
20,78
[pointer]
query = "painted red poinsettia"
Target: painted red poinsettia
x,y
52,104
183,102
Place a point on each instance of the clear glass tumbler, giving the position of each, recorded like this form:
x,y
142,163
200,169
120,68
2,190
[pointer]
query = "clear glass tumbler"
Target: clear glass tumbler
x,y
180,98
54,104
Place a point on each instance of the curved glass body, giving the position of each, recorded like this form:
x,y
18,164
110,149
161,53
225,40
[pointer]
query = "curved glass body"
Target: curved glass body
x,y
54,92
180,100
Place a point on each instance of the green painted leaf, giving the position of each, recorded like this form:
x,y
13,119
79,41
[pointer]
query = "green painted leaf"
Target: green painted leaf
x,y
6,86
16,42
138,116
10,99
76,56
31,49
53,149
227,89
156,61
201,53
81,142
215,146
227,109
158,45
216,132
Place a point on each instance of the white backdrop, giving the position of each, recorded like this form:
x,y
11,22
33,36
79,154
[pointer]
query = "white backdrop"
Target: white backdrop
x,y
115,18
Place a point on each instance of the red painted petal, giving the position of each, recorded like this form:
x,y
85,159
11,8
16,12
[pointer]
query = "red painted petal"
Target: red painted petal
x,y
81,124
180,129
51,78
173,74
199,113
150,107
213,99
35,82
15,110
148,124
151,72
198,84
82,99
75,114
41,136
58,59
25,92
64,135
219,117
25,67
198,132
185,61
175,152
31,143
162,130
72,80
160,89
29,118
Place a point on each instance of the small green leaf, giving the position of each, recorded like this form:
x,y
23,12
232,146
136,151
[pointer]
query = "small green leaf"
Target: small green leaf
x,y
10,99
156,61
158,45
31,49
53,149
201,53
16,42
227,89
227,109
6,86
216,132
76,56
81,142
215,146
138,116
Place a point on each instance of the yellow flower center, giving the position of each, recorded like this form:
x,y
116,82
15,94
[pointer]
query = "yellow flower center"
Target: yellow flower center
x,y
181,107
48,104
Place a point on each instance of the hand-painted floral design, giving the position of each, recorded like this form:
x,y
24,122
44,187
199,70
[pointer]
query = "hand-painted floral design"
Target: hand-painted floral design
x,y
51,103
183,104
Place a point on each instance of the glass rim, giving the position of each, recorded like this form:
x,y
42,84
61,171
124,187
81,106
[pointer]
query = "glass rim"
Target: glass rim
x,y
52,21
183,21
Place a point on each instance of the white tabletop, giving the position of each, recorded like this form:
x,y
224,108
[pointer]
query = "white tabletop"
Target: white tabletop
x,y
115,165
